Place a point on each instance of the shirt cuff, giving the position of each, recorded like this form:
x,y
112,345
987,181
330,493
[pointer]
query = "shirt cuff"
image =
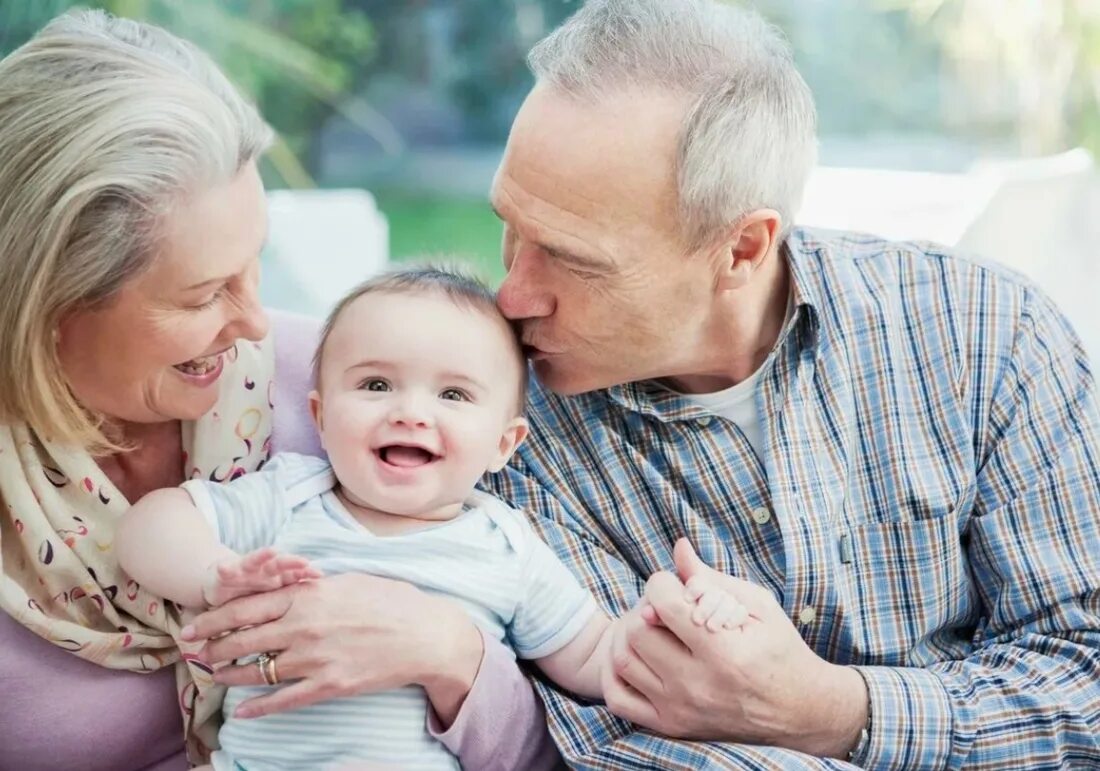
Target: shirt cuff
x,y
911,719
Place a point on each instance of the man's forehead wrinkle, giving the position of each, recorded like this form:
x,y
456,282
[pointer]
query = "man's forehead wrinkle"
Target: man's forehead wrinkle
x,y
517,197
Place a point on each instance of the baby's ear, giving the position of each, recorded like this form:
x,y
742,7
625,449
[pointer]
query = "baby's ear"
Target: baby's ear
x,y
514,434
315,413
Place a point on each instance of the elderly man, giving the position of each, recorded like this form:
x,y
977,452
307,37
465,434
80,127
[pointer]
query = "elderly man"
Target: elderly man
x,y
887,451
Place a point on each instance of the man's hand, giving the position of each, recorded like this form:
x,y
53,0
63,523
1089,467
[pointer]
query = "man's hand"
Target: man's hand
x,y
263,570
756,683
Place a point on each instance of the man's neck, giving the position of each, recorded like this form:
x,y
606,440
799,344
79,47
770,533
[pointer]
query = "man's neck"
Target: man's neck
x,y
743,334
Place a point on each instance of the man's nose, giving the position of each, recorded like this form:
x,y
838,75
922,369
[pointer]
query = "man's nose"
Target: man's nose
x,y
521,295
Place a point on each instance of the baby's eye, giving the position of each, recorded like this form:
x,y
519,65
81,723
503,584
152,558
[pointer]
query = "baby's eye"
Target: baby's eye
x,y
454,395
374,384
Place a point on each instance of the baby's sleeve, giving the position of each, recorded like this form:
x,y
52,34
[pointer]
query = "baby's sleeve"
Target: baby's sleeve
x,y
553,607
246,513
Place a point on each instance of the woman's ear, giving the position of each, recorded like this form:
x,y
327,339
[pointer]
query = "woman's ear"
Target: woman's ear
x,y
514,434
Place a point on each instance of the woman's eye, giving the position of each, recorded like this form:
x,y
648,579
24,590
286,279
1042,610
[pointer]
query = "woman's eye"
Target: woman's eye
x,y
454,395
374,384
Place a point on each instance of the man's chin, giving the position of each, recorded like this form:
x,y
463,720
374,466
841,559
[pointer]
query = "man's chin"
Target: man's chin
x,y
562,380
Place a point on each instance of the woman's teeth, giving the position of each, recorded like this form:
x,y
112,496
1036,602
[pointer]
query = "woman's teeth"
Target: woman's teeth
x,y
200,366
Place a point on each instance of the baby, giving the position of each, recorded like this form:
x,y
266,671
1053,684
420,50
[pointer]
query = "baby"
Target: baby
x,y
420,389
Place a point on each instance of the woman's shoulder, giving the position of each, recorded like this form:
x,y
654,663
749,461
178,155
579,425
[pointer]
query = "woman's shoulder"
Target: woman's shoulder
x,y
294,337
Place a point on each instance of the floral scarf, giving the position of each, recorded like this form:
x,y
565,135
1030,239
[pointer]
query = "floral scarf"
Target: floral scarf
x,y
58,573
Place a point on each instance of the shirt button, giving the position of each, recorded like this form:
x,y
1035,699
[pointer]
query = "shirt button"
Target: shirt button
x,y
761,516
703,422
808,615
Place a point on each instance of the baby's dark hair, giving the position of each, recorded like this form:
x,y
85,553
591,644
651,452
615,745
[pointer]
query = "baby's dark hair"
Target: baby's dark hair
x,y
455,283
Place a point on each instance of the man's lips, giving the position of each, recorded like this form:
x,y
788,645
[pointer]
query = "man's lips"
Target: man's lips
x,y
534,352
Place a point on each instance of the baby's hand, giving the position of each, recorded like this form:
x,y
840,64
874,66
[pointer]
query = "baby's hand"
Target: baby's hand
x,y
263,570
715,608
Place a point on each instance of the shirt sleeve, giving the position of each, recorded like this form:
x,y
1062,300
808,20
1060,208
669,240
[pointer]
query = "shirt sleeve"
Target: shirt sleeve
x,y
1029,695
245,513
501,725
553,607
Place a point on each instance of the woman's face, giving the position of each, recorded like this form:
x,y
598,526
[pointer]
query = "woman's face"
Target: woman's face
x,y
155,352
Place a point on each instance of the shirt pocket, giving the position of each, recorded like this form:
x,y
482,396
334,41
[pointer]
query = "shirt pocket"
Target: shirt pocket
x,y
910,591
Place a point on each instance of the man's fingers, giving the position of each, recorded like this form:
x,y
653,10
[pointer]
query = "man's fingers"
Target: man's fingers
x,y
625,702
666,594
243,611
649,615
759,601
628,666
688,563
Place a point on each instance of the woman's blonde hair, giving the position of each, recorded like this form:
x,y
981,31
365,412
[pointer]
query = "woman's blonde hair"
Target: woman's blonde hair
x,y
105,123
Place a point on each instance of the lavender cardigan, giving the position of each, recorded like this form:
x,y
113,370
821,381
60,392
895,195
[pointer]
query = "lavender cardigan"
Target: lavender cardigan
x,y
59,711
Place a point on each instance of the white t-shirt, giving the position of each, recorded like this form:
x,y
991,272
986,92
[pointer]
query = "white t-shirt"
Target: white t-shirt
x,y
737,404
488,559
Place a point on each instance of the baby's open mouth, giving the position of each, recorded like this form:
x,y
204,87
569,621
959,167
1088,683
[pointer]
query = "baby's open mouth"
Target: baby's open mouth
x,y
202,365
406,456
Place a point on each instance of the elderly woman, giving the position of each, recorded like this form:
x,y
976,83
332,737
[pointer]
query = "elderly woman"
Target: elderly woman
x,y
134,354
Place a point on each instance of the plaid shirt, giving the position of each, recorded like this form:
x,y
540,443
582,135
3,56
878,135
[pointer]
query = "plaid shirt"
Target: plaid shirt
x,y
929,487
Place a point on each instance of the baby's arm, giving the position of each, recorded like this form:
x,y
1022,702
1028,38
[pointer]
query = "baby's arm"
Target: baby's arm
x,y
578,665
164,542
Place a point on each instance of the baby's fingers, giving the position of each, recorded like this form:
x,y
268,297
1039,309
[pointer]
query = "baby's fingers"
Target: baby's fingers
x,y
285,563
255,561
706,605
729,614
695,588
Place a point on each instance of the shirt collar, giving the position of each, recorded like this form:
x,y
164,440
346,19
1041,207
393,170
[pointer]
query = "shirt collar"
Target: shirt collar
x,y
650,398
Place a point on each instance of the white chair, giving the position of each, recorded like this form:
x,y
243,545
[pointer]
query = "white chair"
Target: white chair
x,y
320,244
1044,221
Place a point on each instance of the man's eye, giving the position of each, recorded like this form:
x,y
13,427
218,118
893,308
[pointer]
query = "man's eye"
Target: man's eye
x,y
454,395
374,384
208,303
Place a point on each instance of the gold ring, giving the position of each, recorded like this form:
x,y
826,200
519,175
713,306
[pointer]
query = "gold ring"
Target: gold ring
x,y
266,664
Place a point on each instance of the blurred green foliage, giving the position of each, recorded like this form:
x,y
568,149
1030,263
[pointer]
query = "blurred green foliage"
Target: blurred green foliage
x,y
434,227
296,58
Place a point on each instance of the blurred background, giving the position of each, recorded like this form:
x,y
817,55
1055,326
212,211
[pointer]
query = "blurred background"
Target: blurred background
x,y
969,122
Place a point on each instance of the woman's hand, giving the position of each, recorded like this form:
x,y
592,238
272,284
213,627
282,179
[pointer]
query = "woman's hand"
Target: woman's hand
x,y
344,635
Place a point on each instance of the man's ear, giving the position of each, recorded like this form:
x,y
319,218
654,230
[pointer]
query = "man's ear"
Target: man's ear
x,y
315,412
512,437
748,243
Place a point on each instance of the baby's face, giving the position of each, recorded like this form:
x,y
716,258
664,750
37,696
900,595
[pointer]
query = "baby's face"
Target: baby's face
x,y
418,399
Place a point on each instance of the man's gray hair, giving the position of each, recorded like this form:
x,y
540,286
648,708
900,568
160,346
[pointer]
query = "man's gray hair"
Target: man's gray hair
x,y
748,140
